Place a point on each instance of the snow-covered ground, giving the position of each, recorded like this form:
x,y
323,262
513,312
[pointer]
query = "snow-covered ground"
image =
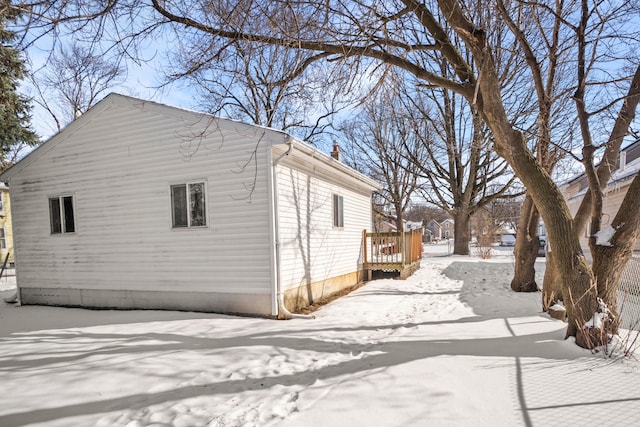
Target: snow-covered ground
x,y
450,346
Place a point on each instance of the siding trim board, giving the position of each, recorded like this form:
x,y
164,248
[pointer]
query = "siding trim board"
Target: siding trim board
x,y
119,161
208,302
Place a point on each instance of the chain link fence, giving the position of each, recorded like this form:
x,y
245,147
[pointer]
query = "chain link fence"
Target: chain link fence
x,y
629,295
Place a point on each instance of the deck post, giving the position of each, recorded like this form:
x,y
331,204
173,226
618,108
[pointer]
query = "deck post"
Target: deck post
x,y
364,244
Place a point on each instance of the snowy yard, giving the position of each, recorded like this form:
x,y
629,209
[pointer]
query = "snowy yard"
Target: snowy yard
x,y
450,346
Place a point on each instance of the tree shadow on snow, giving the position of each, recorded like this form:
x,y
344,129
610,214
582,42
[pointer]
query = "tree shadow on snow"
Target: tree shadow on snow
x,y
363,358
487,288
483,296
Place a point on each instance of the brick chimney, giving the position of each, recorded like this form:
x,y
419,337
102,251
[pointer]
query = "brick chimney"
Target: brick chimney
x,y
336,153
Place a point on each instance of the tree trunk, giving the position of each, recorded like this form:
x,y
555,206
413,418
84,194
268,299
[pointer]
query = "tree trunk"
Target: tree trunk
x,y
575,275
581,302
579,289
551,288
526,249
461,235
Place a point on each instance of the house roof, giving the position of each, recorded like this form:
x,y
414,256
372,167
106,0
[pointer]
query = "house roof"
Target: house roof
x,y
620,175
632,154
115,99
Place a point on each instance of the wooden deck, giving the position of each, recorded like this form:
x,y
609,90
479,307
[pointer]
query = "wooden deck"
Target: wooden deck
x,y
388,252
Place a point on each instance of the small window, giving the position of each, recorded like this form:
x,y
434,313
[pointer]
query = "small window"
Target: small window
x,y
188,205
338,211
61,215
3,238
1,202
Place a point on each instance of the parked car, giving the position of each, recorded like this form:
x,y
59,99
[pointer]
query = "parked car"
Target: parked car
x,y
508,240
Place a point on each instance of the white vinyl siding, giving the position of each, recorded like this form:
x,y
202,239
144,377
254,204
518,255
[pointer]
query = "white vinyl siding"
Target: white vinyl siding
x,y
311,248
120,162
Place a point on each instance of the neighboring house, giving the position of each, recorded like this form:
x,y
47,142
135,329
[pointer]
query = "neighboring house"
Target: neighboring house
x,y
6,234
382,224
141,205
448,228
414,225
627,168
436,231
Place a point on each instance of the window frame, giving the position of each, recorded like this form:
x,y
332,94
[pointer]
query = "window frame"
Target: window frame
x,y
337,208
172,216
2,202
62,212
3,238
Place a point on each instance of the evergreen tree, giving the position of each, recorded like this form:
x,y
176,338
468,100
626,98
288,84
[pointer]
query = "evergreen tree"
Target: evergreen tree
x,y
15,117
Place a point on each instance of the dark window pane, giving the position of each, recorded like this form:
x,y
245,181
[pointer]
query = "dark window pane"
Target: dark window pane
x,y
69,223
196,198
179,205
54,215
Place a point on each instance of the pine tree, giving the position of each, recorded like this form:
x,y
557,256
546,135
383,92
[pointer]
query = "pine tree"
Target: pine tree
x,y
15,109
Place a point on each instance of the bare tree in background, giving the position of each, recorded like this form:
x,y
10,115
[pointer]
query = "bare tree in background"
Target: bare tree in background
x,y
407,34
378,139
425,213
73,80
462,171
265,85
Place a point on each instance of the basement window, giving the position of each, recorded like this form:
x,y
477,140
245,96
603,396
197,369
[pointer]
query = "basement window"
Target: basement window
x,y
61,215
188,205
338,211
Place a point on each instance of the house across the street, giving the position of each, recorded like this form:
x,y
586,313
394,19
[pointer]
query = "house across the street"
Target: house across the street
x,y
436,231
142,205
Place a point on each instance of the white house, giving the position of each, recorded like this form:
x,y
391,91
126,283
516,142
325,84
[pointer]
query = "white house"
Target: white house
x,y
141,205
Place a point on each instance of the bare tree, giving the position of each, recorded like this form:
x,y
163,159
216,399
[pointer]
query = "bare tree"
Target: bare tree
x,y
379,138
73,80
407,34
545,55
487,221
425,213
266,85
462,171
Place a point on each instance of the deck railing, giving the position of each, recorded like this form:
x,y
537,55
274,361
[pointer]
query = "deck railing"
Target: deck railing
x,y
392,250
